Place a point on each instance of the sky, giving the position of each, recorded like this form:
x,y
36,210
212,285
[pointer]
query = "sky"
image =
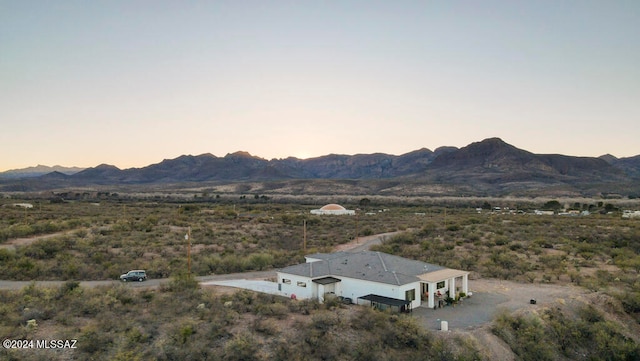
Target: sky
x,y
130,83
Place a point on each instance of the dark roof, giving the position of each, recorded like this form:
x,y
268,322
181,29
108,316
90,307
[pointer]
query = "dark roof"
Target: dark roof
x,y
385,300
327,280
366,265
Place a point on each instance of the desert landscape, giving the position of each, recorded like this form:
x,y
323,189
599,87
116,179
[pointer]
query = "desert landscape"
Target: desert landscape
x,y
60,278
319,180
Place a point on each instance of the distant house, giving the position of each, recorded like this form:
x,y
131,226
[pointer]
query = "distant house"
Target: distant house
x,y
371,277
23,205
630,214
333,209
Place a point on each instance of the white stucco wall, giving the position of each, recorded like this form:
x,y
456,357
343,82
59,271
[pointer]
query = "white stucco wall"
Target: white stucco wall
x,y
348,287
292,288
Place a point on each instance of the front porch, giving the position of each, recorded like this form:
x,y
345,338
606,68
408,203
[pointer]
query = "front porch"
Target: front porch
x,y
436,287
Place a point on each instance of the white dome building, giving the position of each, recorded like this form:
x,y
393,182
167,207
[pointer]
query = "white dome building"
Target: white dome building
x,y
334,209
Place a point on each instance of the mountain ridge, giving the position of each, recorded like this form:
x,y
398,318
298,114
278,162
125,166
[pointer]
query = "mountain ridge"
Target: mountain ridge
x,y
39,170
490,166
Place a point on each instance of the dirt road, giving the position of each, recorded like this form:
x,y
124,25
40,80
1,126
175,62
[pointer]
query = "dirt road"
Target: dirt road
x,y
17,242
363,243
16,285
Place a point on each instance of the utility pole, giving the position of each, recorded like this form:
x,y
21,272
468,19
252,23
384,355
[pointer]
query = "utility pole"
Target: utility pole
x,y
304,235
444,232
356,226
188,238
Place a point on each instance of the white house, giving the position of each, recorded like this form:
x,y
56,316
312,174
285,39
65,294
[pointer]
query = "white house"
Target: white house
x,y
333,209
374,277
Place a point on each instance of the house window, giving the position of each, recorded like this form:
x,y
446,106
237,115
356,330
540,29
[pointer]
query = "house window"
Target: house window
x,y
440,285
284,280
410,295
302,284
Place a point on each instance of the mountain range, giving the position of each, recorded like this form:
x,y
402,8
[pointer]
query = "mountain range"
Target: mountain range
x,y
38,171
488,167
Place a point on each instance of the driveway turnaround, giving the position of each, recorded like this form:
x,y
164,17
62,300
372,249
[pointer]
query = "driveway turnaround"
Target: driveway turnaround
x,y
490,296
472,312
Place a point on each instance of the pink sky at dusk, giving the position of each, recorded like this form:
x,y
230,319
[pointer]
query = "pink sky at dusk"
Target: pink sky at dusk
x,y
130,83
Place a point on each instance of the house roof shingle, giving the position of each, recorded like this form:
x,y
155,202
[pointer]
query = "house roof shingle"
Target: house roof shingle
x,y
366,265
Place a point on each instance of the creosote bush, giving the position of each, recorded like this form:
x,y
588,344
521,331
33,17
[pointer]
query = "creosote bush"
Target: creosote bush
x,y
180,322
557,334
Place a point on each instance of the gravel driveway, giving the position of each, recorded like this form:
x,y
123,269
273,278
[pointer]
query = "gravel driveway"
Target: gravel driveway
x,y
474,311
490,296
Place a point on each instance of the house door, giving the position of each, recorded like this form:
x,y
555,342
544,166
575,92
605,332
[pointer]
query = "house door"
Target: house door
x,y
424,291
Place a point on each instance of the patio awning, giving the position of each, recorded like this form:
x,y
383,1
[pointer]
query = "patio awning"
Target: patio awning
x,y
385,300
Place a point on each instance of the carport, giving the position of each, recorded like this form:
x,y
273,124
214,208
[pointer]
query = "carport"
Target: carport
x,y
382,302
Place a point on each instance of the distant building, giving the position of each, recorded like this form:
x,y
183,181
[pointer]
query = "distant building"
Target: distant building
x,y
23,205
631,214
334,209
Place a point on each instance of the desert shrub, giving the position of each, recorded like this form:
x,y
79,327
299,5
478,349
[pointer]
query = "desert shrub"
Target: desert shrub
x,y
260,261
6,255
631,303
367,349
243,347
404,332
366,318
183,332
304,307
453,227
68,288
404,238
525,336
515,246
266,326
94,341
324,320
331,303
427,230
277,310
181,282
532,337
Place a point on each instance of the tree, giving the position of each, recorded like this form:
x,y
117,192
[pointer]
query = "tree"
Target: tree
x,y
552,205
